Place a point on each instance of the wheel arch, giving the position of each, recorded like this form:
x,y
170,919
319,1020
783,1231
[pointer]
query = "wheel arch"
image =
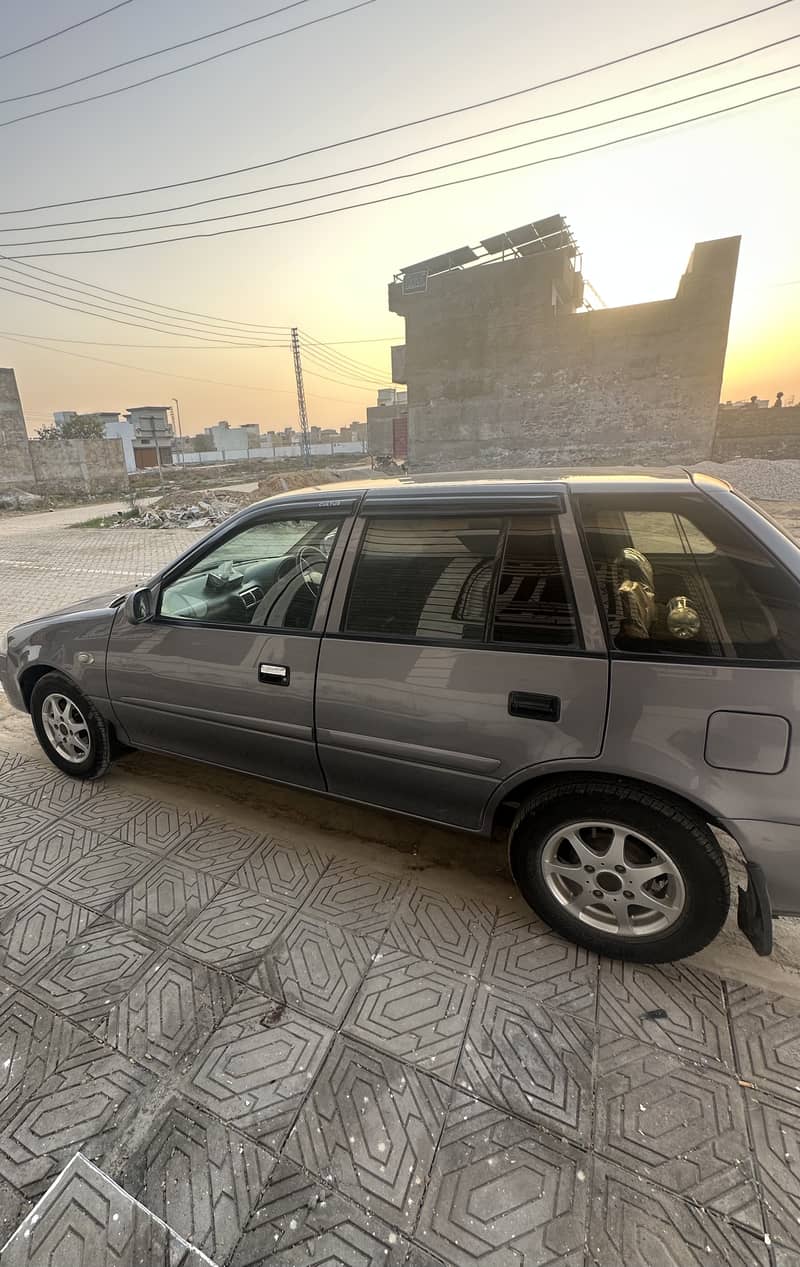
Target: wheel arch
x,y
33,674
504,811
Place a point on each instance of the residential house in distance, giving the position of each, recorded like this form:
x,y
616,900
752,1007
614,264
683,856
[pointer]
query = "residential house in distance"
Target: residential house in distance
x,y
153,435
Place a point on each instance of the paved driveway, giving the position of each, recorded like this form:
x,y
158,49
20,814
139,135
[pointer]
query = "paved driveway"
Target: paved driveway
x,y
313,1053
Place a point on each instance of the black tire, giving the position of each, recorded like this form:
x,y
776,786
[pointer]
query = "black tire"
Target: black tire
x,y
99,756
680,834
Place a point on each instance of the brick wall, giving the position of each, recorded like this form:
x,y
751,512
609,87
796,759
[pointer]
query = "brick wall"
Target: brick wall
x,y
497,379
67,468
16,469
757,433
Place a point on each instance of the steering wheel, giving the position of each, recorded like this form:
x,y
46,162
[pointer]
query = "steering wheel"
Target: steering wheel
x,y
312,563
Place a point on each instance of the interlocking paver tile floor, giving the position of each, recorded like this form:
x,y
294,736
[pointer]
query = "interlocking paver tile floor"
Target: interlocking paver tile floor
x,y
221,1047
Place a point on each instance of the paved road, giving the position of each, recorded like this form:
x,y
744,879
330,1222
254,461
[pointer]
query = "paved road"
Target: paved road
x,y
298,1050
45,564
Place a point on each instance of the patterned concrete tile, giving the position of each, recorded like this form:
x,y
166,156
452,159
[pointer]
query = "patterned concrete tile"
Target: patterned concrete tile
x,y
503,1192
216,847
285,872
526,956
300,1223
200,1177
256,1068
9,760
13,1209
445,928
14,888
314,968
696,1024
108,812
766,1032
22,778
31,1041
165,900
775,1127
90,1095
414,1010
106,871
235,930
370,1126
636,1224
85,1220
93,974
160,826
43,853
677,1124
355,896
169,1013
531,1062
59,795
19,824
36,931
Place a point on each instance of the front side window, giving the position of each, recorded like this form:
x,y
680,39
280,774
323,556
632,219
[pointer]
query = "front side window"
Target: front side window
x,y
269,574
468,580
686,579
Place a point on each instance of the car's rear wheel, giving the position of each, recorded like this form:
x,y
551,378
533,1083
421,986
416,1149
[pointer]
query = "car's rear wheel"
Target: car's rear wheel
x,y
620,869
69,728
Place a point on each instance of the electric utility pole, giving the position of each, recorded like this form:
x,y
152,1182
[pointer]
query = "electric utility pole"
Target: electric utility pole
x,y
302,412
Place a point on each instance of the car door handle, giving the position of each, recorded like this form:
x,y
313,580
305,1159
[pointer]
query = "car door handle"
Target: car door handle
x,y
539,707
274,674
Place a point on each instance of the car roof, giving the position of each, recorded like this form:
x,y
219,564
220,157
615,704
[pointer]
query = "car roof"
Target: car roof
x,y
474,484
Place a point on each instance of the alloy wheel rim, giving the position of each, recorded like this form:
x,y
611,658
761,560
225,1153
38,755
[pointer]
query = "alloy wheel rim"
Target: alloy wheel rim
x,y
613,879
66,728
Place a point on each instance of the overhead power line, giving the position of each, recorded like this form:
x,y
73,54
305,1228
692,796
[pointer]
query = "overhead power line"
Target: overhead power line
x,y
426,149
133,300
105,316
190,378
138,308
422,171
43,39
160,347
398,127
411,193
157,52
343,358
164,74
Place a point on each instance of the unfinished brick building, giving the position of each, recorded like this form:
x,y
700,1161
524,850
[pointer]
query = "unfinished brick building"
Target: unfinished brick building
x,y
502,369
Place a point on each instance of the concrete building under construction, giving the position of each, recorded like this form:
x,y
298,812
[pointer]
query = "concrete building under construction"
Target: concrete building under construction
x,y
503,370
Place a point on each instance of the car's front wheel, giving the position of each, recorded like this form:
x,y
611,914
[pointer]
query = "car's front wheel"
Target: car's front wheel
x,y
69,728
620,869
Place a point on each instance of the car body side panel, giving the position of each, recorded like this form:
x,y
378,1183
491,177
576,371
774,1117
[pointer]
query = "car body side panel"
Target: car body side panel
x,y
657,727
73,643
426,729
195,691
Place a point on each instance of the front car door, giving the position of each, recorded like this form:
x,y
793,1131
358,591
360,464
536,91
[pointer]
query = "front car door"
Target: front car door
x,y
704,627
225,670
454,658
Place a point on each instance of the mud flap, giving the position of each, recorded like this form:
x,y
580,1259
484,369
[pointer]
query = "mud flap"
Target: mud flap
x,y
754,913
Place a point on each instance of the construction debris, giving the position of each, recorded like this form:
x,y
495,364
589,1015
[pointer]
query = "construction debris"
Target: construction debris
x,y
18,499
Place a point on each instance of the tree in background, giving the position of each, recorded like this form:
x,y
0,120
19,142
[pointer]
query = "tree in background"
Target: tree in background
x,y
81,427
203,444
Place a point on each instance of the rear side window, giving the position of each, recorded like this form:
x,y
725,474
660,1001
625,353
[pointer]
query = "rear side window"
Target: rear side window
x,y
470,580
533,603
688,580
424,578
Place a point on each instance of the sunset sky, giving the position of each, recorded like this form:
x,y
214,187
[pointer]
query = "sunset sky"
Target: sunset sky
x,y
636,208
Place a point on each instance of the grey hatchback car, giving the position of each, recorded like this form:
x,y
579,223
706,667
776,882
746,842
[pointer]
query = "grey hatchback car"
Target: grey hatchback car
x,y
606,668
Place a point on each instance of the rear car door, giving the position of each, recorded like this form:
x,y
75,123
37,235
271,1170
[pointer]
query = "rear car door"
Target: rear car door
x,y
705,687
225,670
454,656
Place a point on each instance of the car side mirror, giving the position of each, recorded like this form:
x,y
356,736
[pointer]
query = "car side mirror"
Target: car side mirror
x,y
139,606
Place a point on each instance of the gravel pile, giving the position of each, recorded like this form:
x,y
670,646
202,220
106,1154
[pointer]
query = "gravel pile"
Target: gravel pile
x,y
759,477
